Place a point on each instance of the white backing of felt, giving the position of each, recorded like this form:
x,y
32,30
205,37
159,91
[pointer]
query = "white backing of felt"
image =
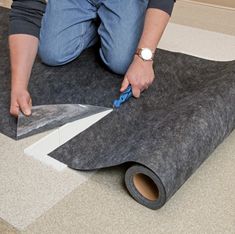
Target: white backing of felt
x,y
47,144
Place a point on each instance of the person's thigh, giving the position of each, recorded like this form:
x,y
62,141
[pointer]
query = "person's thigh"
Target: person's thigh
x,y
120,30
67,29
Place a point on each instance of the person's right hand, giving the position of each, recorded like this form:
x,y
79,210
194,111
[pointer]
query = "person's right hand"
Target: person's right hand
x,y
20,101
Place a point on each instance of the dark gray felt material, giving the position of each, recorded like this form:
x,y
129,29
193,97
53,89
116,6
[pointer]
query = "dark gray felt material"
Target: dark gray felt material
x,y
84,81
170,130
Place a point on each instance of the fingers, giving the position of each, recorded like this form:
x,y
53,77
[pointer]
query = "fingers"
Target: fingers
x,y
125,84
30,105
140,76
26,110
136,92
21,102
25,105
135,89
138,85
14,109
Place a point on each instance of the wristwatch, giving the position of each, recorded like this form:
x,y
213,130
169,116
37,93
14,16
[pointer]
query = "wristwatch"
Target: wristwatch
x,y
145,53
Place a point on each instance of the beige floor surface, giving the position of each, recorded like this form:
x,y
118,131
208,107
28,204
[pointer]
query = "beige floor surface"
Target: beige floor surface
x,y
204,16
219,3
205,204
28,187
6,228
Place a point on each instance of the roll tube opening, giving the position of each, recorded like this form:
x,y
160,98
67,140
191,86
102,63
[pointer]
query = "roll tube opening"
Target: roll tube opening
x,y
145,187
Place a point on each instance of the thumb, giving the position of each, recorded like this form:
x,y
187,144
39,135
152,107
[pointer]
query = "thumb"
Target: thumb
x,y
125,84
25,107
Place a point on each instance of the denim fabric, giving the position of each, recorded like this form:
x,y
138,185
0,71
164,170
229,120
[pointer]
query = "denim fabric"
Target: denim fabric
x,y
69,27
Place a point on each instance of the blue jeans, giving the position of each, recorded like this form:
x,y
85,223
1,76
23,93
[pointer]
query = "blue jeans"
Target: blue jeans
x,y
68,27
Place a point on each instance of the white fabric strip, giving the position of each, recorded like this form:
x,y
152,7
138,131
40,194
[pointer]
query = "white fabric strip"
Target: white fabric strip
x,y
44,146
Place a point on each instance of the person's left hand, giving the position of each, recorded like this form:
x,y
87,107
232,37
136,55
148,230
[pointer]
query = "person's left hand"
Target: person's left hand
x,y
140,76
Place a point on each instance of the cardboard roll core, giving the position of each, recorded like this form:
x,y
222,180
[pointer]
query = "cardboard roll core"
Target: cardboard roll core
x,y
146,186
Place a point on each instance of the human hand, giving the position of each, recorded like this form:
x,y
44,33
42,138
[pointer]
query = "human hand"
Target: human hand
x,y
20,101
140,76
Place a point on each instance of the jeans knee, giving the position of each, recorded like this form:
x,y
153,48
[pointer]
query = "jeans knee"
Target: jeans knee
x,y
116,62
58,55
50,55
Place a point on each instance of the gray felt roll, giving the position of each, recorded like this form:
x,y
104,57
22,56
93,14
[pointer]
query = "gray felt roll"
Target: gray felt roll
x,y
145,187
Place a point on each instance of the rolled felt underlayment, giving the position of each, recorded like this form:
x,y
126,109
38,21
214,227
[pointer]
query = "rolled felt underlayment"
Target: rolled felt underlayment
x,y
168,139
167,133
145,186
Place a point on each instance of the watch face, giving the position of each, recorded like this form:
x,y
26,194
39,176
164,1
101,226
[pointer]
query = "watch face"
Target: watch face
x,y
146,54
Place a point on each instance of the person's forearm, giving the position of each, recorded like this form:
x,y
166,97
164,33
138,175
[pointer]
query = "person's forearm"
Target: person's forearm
x,y
140,74
23,50
154,26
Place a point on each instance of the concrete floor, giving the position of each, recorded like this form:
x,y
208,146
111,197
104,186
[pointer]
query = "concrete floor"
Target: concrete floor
x,y
35,198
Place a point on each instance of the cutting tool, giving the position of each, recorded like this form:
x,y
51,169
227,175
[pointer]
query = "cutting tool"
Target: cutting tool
x,y
123,97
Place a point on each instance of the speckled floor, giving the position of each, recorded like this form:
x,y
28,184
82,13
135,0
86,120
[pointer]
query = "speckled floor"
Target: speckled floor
x,y
35,198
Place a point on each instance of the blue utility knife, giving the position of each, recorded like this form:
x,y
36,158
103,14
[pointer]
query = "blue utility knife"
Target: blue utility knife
x,y
123,97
